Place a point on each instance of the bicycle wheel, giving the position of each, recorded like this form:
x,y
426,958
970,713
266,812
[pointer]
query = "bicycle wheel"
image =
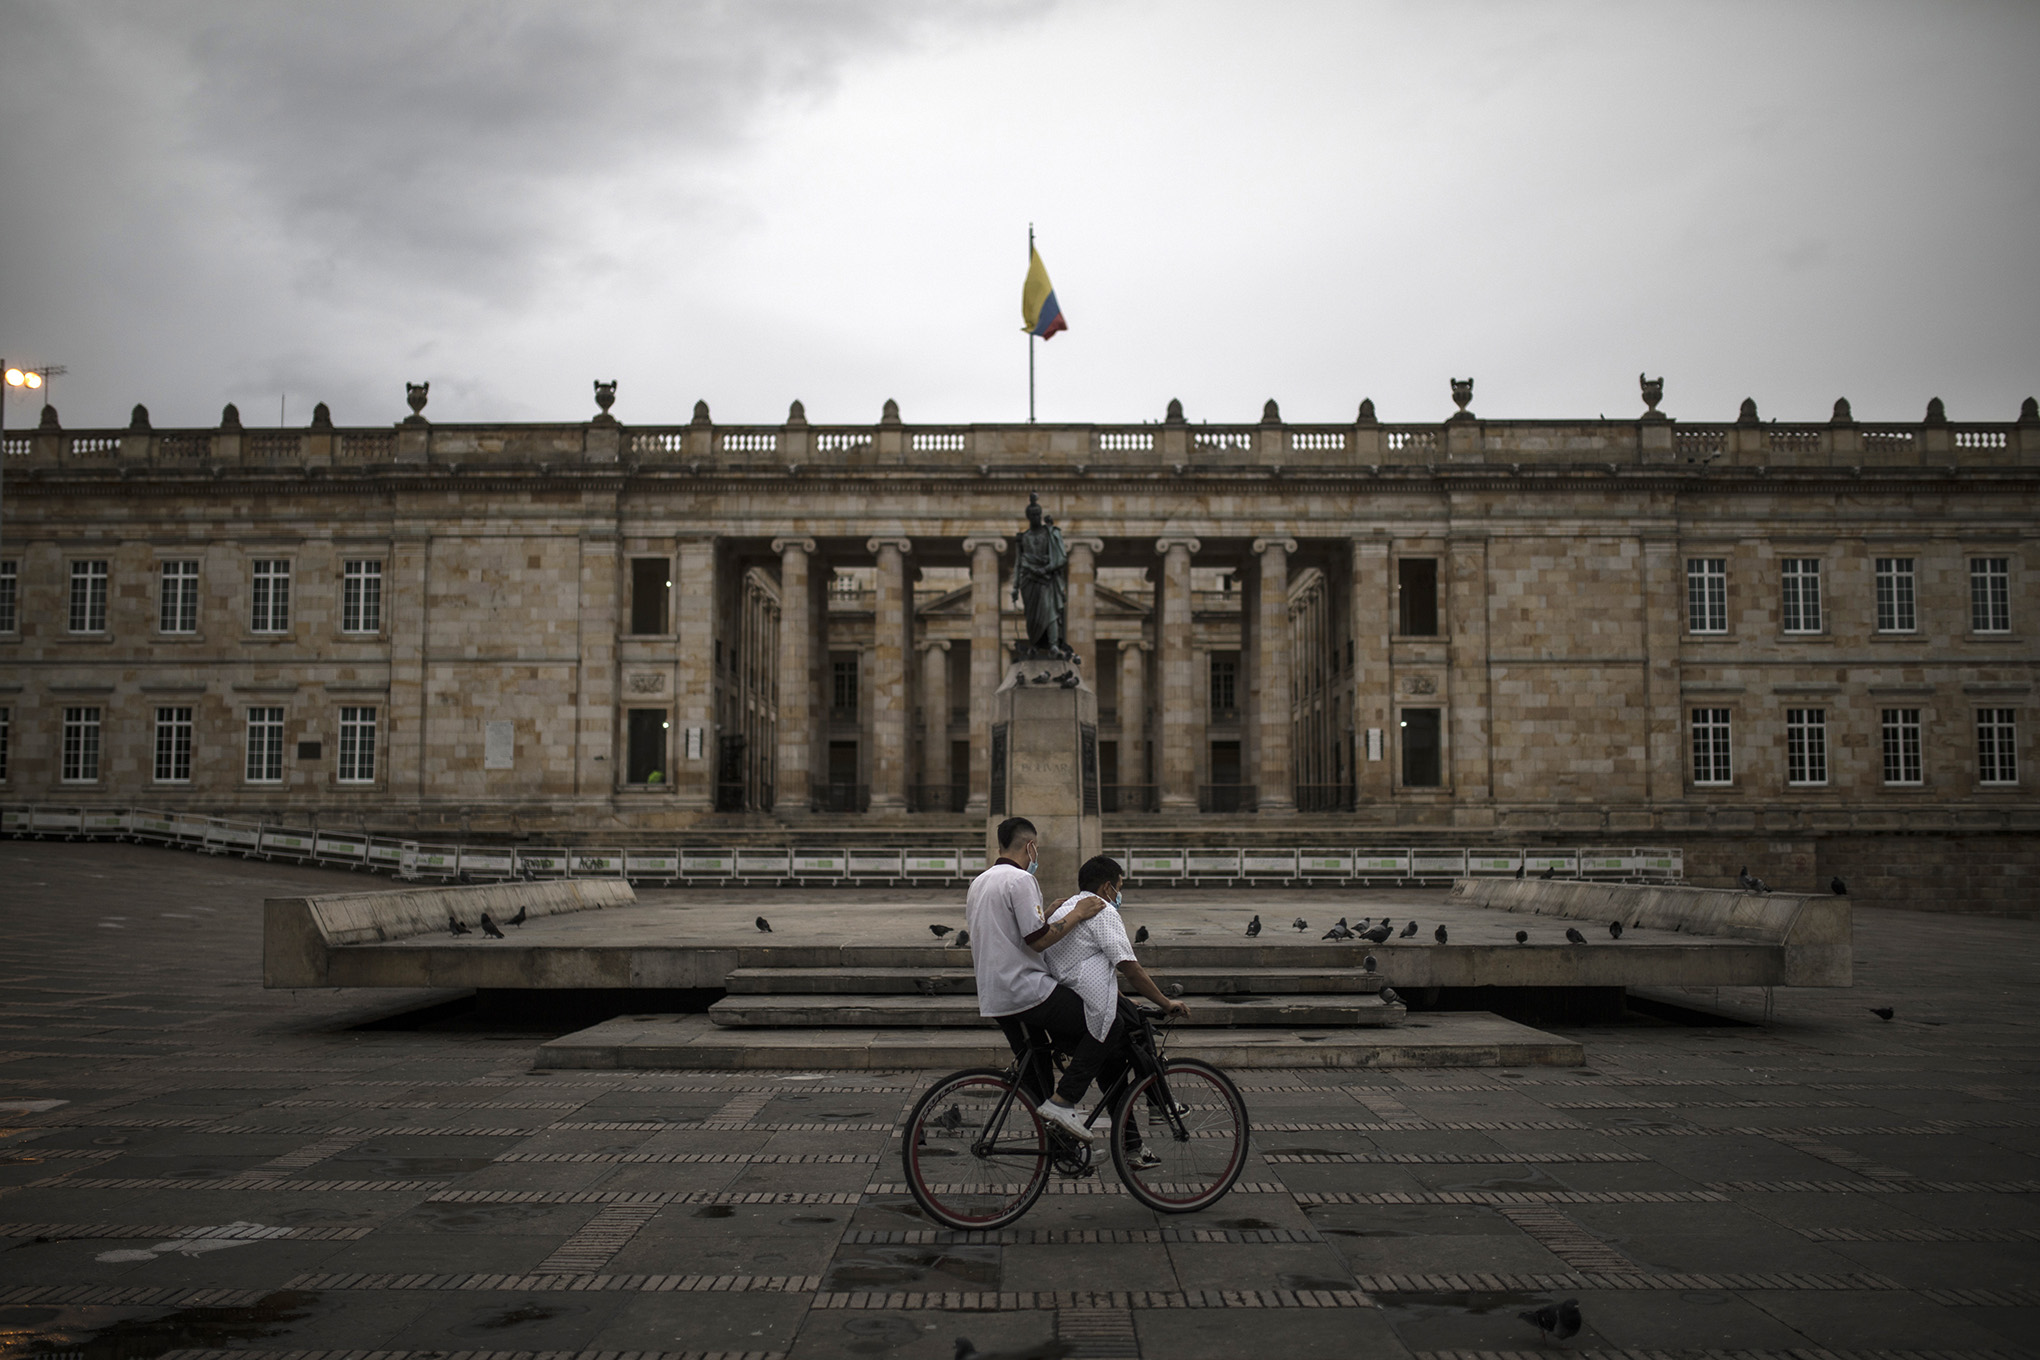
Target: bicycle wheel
x,y
966,1173
1202,1147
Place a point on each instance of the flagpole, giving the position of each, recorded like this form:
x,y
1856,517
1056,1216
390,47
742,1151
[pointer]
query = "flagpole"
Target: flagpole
x,y
1030,335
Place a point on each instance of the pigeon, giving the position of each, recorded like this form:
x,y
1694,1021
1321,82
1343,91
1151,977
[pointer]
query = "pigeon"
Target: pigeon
x,y
925,986
1378,935
1561,1320
1519,871
1882,1012
1837,887
1302,924
1388,996
1340,931
939,931
454,927
1141,936
1408,931
962,939
1746,882
1573,936
1615,929
1439,933
523,914
1550,871
951,1118
1370,963
1253,927
1522,937
764,926
490,928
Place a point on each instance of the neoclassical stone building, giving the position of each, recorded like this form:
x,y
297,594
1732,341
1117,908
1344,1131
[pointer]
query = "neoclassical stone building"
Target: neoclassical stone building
x,y
1749,638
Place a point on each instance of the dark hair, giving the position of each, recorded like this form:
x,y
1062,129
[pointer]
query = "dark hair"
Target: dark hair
x,y
1010,829
1098,870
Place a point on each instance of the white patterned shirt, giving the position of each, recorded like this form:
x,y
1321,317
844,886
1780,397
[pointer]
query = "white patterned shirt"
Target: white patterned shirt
x,y
1087,962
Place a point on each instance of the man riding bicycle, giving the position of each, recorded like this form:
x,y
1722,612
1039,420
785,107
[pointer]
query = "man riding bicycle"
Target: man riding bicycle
x,y
1010,932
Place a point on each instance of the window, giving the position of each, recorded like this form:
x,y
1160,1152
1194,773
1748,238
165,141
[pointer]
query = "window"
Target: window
x,y
357,746
88,597
81,746
1416,596
1710,747
173,745
265,746
1224,689
1902,746
1990,594
843,687
1806,746
6,733
1707,594
1802,594
271,596
1422,767
1895,595
177,598
646,746
1997,744
361,596
10,615
651,582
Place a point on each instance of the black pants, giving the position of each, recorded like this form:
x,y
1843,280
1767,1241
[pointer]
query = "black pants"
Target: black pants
x,y
1061,1014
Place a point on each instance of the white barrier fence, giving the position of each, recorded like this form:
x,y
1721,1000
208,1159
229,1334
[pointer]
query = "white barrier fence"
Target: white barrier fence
x,y
837,866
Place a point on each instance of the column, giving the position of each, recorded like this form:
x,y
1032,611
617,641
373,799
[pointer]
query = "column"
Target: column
x,y
1471,767
793,770
1180,718
692,765
935,725
405,605
1273,707
1083,610
987,662
1133,715
891,616
1664,605
1370,601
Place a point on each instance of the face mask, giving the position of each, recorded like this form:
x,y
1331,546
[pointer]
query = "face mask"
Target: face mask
x,y
1034,867
1115,901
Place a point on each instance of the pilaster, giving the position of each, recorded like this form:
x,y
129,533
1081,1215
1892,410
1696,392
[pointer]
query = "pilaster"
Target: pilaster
x,y
692,754
889,708
1273,708
985,657
1181,723
793,769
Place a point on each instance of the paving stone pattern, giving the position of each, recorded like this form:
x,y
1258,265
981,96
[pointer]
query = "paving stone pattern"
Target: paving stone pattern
x,y
191,1166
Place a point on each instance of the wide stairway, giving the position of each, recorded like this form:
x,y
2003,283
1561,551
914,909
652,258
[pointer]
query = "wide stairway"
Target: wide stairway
x,y
1228,987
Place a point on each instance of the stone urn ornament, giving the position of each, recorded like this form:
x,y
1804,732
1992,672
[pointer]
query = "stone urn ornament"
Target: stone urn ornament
x,y
605,397
415,394
1462,396
1653,393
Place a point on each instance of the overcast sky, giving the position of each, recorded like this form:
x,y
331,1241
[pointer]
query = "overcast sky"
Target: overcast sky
x,y
829,200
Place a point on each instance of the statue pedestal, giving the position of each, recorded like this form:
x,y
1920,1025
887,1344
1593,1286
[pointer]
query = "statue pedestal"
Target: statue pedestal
x,y
1044,767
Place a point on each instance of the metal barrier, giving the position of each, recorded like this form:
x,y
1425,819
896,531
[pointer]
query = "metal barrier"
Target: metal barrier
x,y
827,866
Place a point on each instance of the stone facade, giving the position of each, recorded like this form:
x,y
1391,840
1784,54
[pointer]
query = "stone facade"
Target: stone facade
x,y
1480,630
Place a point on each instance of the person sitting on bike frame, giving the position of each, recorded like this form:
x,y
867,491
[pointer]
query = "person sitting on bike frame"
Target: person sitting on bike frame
x,y
1091,960
1009,931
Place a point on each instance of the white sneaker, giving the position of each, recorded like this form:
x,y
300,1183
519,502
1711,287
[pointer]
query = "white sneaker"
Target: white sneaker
x,y
1067,1118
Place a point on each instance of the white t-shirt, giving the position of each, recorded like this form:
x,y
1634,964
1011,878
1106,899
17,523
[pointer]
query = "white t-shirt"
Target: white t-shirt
x,y
1087,962
1003,909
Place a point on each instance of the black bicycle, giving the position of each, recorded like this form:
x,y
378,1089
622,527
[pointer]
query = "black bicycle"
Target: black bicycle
x,y
978,1154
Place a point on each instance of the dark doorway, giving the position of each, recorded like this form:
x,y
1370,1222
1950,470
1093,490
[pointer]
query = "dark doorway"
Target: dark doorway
x,y
1416,596
1108,762
729,775
1421,765
647,745
651,584
1225,762
842,793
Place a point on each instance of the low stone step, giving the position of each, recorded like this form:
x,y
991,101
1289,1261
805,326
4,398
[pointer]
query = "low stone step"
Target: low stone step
x,y
693,1043
962,982
824,1011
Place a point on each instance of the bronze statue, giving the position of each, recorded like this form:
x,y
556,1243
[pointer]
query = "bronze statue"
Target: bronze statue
x,y
1041,569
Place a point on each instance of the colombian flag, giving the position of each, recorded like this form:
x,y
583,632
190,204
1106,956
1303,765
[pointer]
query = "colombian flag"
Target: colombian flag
x,y
1038,308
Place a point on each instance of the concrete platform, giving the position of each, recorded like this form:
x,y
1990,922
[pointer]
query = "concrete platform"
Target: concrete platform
x,y
682,938
694,1042
1196,982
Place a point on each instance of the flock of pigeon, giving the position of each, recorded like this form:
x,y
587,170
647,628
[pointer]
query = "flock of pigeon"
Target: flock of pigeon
x,y
488,923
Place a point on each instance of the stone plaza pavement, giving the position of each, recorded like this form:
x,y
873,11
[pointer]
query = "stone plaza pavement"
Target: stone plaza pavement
x,y
192,1165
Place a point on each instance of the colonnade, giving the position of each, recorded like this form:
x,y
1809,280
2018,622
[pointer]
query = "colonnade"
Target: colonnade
x,y
1157,670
